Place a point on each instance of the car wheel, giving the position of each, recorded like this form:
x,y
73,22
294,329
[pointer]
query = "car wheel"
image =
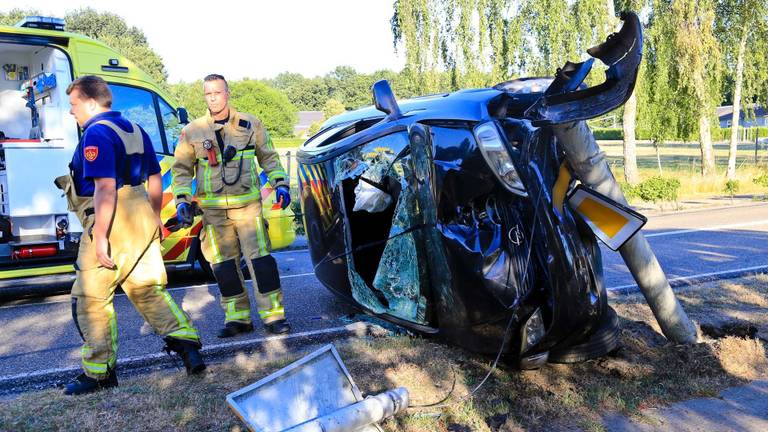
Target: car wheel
x,y
602,342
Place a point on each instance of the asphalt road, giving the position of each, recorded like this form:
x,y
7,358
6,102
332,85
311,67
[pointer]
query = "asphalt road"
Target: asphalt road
x,y
39,334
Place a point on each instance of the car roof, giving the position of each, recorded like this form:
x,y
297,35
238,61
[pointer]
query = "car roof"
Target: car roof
x,y
464,105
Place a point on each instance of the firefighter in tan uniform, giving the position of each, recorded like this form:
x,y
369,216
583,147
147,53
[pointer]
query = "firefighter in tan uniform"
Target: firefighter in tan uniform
x,y
120,244
220,151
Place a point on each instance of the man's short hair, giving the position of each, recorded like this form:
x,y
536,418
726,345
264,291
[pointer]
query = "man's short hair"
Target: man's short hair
x,y
216,77
93,87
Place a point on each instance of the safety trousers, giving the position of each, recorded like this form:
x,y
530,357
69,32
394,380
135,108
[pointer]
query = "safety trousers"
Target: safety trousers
x,y
228,233
135,248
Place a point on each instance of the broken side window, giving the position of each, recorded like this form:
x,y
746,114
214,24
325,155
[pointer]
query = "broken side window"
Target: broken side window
x,y
386,270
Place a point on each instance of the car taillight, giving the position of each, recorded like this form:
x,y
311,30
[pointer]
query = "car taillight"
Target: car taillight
x,y
498,158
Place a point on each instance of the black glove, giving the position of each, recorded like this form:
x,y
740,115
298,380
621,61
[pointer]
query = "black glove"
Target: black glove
x,y
185,214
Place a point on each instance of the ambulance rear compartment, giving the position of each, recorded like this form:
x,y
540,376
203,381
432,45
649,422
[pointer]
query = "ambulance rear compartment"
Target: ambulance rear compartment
x,y
35,225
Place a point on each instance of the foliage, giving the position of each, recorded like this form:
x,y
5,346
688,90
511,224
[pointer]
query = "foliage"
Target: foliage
x,y
271,106
332,107
761,180
658,188
731,187
608,133
314,128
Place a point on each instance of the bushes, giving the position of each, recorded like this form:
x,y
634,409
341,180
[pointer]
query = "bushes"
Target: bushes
x,y
731,187
608,133
654,189
761,180
718,133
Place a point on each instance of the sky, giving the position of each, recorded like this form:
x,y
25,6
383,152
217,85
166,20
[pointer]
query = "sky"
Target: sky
x,y
255,39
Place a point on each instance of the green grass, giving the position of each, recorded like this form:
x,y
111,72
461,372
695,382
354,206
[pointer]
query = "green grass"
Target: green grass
x,y
287,143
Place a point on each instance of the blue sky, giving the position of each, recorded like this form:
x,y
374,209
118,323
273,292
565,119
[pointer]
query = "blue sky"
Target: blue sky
x,y
256,39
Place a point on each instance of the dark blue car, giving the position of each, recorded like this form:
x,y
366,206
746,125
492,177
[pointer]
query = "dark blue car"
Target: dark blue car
x,y
447,214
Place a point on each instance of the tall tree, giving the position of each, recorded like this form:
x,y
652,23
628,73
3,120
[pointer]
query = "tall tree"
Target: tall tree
x,y
116,33
742,30
662,113
629,117
698,67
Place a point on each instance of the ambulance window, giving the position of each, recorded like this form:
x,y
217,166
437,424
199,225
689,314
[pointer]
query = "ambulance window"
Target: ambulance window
x,y
171,126
138,106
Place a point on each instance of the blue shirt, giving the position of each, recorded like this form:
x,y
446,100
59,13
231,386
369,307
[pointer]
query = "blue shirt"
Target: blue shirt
x,y
101,154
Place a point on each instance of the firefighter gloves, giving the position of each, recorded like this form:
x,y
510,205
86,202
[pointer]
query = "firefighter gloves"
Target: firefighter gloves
x,y
185,215
283,196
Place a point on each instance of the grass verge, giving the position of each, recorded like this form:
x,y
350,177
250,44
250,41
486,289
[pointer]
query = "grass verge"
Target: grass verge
x,y
647,371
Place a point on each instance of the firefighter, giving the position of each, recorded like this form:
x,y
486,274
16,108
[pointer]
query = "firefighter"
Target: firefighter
x,y
220,151
120,244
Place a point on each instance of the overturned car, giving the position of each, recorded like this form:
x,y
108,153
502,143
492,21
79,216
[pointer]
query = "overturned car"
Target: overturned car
x,y
456,215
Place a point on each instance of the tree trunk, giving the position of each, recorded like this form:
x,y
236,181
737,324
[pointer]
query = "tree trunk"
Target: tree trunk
x,y
631,174
705,137
656,146
734,147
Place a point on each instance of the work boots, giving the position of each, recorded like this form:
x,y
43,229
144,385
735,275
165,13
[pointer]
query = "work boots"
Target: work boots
x,y
189,352
278,327
84,384
234,328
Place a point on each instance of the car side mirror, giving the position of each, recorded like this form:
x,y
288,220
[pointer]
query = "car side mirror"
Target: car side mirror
x,y
384,100
183,115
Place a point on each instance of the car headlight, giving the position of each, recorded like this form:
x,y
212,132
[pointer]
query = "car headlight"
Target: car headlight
x,y
498,158
533,331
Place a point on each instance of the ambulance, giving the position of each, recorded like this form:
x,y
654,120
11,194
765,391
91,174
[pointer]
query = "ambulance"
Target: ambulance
x,y
38,236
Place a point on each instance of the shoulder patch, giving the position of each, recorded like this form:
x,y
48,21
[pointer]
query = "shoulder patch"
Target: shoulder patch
x,y
244,124
91,153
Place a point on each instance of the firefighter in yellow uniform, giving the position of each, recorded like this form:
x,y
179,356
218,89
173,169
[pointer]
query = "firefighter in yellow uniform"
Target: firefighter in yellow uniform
x,y
220,152
120,244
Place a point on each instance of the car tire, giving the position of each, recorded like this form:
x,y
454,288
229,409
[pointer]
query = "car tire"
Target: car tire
x,y
602,342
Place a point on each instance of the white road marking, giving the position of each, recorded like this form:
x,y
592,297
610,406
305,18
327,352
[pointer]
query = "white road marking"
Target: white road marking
x,y
354,327
184,288
712,228
700,275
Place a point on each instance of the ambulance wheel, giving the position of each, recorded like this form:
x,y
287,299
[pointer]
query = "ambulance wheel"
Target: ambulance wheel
x,y
602,342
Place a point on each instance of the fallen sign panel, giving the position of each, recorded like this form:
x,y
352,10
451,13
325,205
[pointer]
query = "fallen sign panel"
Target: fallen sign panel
x,y
315,393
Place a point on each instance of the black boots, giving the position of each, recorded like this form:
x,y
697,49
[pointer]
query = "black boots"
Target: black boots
x,y
84,384
189,352
278,327
234,328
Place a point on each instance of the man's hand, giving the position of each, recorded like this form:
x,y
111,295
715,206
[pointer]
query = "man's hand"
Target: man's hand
x,y
163,230
185,214
102,251
283,196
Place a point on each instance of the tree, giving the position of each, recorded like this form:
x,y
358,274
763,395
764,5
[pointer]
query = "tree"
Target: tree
x,y
332,107
112,30
307,94
271,106
662,115
15,15
698,69
741,24
629,117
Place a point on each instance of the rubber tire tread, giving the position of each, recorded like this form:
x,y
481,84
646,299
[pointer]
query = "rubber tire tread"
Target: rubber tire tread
x,y
602,342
